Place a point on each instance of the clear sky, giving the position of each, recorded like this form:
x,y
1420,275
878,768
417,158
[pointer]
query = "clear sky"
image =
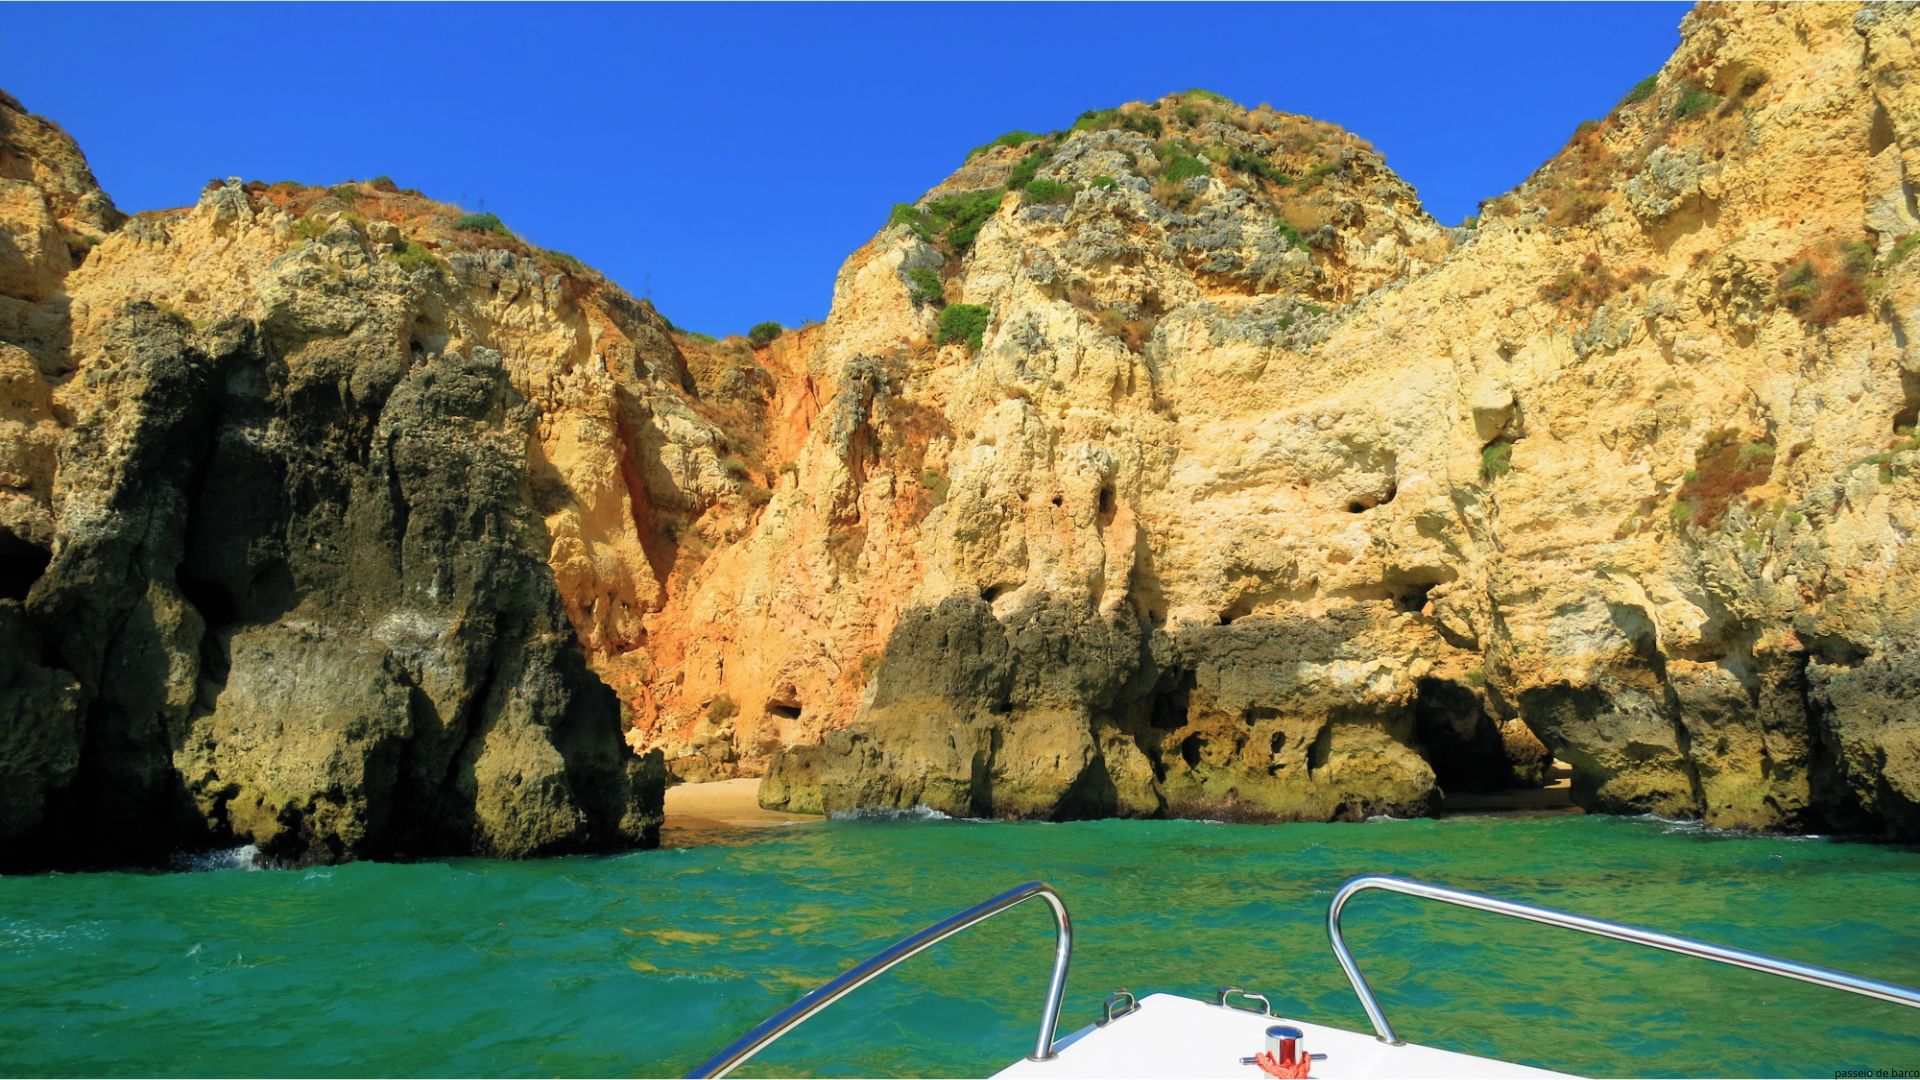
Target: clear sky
x,y
724,159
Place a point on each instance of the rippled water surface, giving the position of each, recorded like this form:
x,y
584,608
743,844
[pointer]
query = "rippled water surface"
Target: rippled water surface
x,y
646,963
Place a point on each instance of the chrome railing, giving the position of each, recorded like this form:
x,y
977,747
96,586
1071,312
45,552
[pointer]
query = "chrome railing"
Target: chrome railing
x,y
859,975
1838,980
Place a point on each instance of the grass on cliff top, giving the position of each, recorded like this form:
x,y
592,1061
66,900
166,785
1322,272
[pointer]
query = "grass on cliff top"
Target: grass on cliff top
x,y
481,223
1011,138
1642,90
953,221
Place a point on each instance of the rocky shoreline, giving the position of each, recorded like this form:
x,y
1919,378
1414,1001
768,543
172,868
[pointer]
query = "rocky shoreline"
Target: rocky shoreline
x,y
1176,463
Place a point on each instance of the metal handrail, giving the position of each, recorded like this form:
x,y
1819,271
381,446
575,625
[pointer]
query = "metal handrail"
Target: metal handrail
x,y
859,975
1838,980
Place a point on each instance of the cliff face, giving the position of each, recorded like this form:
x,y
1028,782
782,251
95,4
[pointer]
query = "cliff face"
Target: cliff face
x,y
1216,523
1178,463
287,579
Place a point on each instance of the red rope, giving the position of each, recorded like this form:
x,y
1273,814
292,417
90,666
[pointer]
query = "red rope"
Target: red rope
x,y
1272,1067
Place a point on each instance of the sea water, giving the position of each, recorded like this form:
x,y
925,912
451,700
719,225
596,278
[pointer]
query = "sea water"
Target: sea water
x,y
647,963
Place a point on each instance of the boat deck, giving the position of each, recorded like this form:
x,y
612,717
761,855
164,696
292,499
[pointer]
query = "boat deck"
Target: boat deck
x,y
1170,1035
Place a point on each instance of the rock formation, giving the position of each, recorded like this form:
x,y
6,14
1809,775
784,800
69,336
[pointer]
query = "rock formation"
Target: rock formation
x,y
1177,463
286,581
1219,523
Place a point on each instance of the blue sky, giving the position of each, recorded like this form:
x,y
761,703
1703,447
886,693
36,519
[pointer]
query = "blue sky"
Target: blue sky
x,y
724,159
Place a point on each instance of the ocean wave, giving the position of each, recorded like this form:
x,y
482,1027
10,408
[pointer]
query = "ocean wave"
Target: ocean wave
x,y
888,813
1701,828
244,857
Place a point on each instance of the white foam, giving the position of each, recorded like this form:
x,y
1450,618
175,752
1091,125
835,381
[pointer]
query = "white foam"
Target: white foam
x,y
887,813
244,857
1695,827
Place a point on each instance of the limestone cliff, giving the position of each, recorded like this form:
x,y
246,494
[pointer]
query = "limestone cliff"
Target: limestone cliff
x,y
1175,463
1217,522
286,579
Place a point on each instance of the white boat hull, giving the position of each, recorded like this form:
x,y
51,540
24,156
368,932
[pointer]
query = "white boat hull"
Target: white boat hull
x,y
1172,1036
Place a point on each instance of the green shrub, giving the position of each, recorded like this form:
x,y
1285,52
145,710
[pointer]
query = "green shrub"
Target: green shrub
x,y
487,223
734,468
964,322
923,285
1320,172
1857,257
1258,166
1094,120
1189,114
1181,167
346,193
1100,119
1642,90
721,709
412,256
961,216
1011,138
698,336
763,334
383,183
1902,248
1292,234
1496,460
1694,102
1822,297
1471,221
1106,183
1049,191
1029,167
1208,95
913,218
934,483
1476,678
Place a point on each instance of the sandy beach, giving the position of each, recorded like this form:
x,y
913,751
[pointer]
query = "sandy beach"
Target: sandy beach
x,y
721,804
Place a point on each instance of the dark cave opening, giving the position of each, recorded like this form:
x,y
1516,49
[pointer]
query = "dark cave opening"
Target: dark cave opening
x,y
21,564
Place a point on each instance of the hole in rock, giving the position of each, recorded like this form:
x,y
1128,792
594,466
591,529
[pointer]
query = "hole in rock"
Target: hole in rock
x,y
21,564
1190,748
787,709
1170,704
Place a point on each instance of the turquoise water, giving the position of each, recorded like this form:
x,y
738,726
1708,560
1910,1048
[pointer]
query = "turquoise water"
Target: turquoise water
x,y
646,963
